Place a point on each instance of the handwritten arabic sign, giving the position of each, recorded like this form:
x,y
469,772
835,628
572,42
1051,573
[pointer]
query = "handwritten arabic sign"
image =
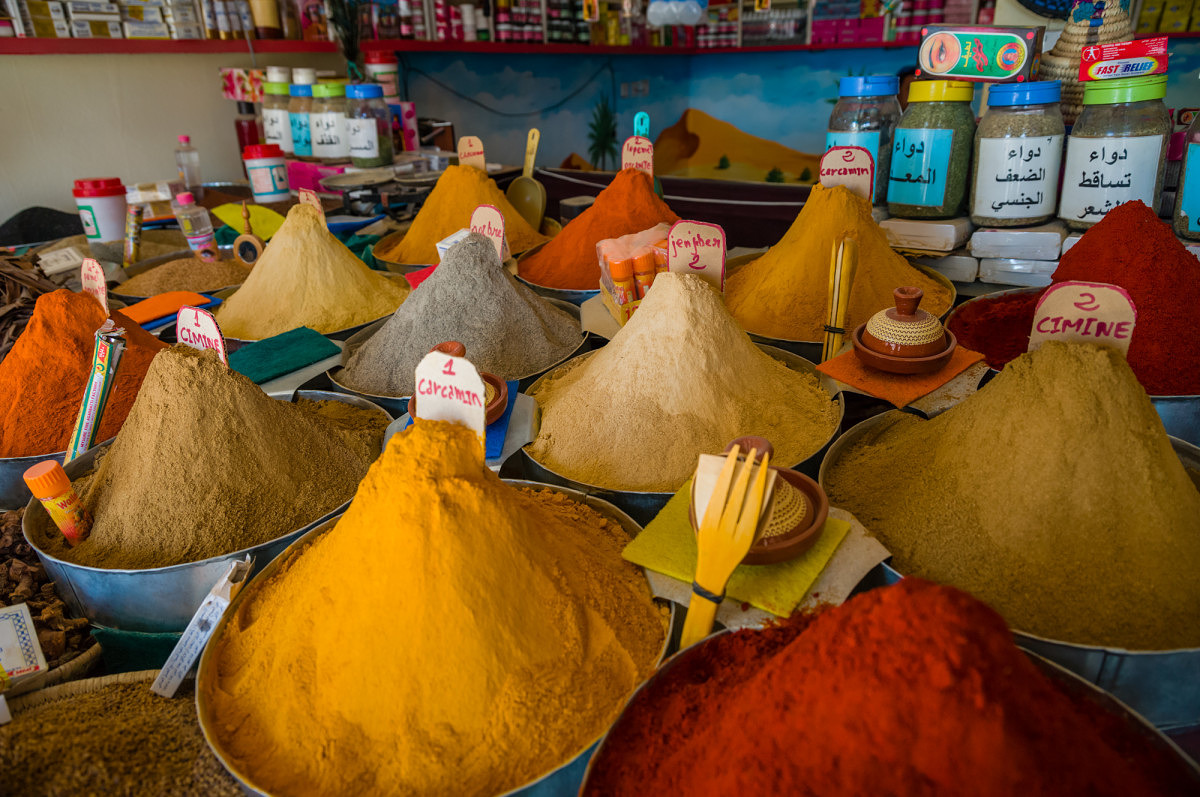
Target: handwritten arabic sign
x,y
197,328
852,167
488,220
1102,173
1017,178
696,247
450,389
638,153
920,162
470,152
91,274
1085,312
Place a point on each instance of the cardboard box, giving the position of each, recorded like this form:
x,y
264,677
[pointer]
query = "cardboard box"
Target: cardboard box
x,y
978,53
91,29
187,31
48,28
141,14
43,9
146,30
85,7
1136,58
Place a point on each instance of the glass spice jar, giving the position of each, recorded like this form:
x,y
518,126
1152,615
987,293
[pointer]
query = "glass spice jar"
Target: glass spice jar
x,y
330,142
1117,149
865,116
277,123
369,123
1187,205
1018,149
931,151
299,108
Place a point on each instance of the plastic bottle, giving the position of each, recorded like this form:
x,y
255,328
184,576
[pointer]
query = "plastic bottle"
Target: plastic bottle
x,y
624,286
49,484
187,159
644,272
195,223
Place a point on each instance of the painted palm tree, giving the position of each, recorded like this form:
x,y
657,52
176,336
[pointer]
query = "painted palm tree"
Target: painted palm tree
x,y
602,135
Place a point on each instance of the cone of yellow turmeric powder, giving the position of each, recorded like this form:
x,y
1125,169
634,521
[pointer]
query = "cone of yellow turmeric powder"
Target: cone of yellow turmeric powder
x,y
784,293
521,633
448,209
308,278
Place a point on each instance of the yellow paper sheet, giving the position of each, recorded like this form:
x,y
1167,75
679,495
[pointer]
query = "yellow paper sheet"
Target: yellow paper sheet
x,y
668,546
263,221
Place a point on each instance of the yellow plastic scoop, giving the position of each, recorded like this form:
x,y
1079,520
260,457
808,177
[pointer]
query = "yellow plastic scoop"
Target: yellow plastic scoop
x,y
526,194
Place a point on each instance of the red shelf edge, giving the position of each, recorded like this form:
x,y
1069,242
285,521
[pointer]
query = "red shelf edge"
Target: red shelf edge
x,y
35,46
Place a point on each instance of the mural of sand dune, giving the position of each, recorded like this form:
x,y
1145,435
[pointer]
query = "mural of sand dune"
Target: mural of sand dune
x,y
700,145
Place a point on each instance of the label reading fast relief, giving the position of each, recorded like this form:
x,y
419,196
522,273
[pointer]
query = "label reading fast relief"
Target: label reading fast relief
x,y
920,162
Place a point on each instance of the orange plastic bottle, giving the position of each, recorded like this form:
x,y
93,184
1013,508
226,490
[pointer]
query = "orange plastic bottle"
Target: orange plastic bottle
x,y
49,484
624,286
643,272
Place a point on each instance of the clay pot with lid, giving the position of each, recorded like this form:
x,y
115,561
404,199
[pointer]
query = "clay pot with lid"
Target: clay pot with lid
x,y
904,339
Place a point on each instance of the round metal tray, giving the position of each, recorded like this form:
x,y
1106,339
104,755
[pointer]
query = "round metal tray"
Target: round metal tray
x,y
161,599
643,506
1067,681
563,779
573,296
1162,685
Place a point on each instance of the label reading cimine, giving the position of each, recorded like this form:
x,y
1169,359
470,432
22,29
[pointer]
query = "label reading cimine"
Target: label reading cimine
x,y
1084,312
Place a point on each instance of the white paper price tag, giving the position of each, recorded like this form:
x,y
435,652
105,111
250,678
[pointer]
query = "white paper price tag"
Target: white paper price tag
x,y
204,622
852,167
309,197
638,153
450,388
197,328
91,274
1084,312
487,220
697,247
470,153
20,651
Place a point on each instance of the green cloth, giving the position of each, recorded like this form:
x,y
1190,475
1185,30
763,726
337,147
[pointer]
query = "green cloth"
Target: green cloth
x,y
130,651
668,546
290,351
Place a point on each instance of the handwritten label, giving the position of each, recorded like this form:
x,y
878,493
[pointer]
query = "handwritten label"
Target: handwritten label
x,y
470,152
20,652
852,167
697,247
1189,190
641,124
638,153
488,220
868,141
1102,173
329,138
1017,178
91,274
277,127
1084,312
309,197
197,328
450,389
920,161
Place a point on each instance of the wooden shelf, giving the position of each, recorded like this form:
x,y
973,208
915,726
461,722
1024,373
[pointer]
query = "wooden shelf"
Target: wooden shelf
x,y
34,46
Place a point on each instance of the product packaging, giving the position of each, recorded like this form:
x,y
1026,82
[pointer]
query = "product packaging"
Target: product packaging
x,y
981,54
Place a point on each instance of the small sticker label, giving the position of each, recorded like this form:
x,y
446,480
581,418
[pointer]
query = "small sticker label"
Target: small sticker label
x,y
1189,190
88,216
91,274
470,152
852,167
697,247
1084,312
197,328
638,153
20,652
309,197
488,220
450,389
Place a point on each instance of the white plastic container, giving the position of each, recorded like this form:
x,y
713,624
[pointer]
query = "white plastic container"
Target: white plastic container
x,y
1043,242
101,202
936,235
187,159
958,266
267,170
1011,271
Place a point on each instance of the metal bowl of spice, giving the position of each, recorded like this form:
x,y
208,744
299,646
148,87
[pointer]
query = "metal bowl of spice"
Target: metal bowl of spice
x,y
161,599
563,779
1161,684
13,492
643,506
574,296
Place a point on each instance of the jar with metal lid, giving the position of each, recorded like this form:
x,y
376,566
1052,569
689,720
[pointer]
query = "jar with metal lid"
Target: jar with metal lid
x,y
1187,205
1117,150
369,126
865,116
931,151
330,142
277,123
299,107
1018,150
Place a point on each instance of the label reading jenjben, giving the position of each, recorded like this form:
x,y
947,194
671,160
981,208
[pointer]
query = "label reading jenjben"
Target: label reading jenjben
x,y
1016,178
920,161
1102,173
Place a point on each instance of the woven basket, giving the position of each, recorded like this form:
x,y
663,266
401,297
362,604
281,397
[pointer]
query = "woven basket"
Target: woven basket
x,y
1062,62
69,690
76,668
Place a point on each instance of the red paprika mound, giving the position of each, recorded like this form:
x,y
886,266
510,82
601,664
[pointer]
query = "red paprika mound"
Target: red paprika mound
x,y
569,261
1132,248
43,377
909,689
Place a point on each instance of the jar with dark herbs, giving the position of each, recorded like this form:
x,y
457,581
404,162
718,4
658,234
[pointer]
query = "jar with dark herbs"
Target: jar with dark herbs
x,y
369,124
1117,150
865,116
1187,206
277,123
1018,149
931,151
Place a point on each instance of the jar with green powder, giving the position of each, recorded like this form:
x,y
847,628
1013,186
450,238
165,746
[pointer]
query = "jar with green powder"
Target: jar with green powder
x,y
1117,150
931,151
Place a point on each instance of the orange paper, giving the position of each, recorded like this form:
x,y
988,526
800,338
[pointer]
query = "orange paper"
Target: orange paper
x,y
899,389
163,304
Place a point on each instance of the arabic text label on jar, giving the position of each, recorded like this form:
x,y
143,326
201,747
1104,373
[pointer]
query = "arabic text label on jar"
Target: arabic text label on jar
x,y
931,151
369,123
1018,150
299,108
865,116
277,123
1117,149
1187,206
328,123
